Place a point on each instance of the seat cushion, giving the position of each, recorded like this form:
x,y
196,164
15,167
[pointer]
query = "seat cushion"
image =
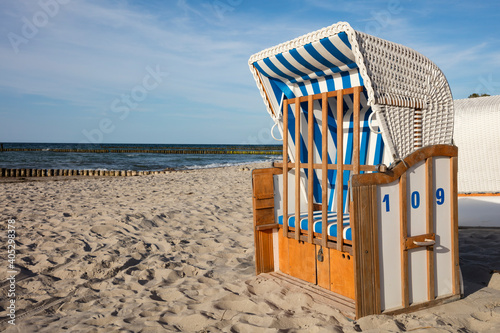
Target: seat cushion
x,y
318,223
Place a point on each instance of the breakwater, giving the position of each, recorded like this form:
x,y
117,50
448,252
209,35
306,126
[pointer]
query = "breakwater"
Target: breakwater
x,y
67,172
200,151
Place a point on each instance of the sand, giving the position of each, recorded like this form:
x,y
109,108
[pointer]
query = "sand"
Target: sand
x,y
174,252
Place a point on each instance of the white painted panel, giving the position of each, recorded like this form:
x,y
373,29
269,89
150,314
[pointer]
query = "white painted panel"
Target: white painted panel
x,y
417,258
442,226
276,250
389,245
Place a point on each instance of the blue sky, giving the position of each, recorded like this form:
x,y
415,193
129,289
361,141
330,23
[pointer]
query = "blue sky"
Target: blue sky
x,y
176,71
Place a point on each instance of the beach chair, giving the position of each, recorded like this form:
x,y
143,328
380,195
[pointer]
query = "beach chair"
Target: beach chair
x,y
362,210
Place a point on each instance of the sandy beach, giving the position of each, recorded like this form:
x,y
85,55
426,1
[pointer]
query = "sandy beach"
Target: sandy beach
x,y
174,252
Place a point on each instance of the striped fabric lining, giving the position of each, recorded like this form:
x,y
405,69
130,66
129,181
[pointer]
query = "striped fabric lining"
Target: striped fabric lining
x,y
322,66
372,148
317,223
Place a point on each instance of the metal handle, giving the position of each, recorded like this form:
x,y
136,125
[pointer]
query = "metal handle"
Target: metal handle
x,y
427,242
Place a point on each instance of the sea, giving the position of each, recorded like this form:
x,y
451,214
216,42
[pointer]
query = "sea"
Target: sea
x,y
140,157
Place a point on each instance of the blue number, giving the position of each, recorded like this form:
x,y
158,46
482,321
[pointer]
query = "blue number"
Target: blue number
x,y
440,196
386,200
415,200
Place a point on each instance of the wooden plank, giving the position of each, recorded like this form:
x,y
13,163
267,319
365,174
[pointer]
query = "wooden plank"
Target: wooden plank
x,y
264,216
356,135
267,226
348,91
310,162
297,168
264,203
285,167
454,225
425,305
323,267
284,258
367,293
324,169
429,189
340,169
342,273
265,258
403,212
302,260
400,168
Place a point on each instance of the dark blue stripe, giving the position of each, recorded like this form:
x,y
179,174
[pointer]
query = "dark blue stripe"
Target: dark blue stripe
x,y
286,90
330,83
379,150
346,80
276,69
303,89
315,86
291,68
328,45
296,55
317,56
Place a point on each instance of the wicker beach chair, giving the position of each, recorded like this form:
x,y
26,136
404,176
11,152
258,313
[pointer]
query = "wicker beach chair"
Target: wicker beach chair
x,y
362,209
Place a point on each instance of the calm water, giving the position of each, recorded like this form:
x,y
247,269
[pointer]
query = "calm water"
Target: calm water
x,y
47,158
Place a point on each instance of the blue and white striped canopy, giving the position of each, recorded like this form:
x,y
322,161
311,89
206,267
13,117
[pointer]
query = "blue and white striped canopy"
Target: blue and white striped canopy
x,y
321,66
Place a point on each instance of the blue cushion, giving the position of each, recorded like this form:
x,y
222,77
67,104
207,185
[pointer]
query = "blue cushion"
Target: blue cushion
x,y
317,223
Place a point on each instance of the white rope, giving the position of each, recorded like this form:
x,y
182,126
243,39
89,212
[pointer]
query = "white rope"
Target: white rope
x,y
272,133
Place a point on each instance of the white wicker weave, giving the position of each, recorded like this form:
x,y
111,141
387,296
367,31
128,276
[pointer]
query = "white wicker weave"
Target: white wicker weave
x,y
477,135
398,81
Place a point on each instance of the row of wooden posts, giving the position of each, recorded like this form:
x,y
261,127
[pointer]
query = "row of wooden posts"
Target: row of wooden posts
x,y
153,151
67,172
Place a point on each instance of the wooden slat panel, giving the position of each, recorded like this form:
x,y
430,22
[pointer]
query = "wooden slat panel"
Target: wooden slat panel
x,y
263,214
297,168
285,167
454,226
342,273
324,169
367,292
310,167
403,211
429,189
340,169
264,260
302,260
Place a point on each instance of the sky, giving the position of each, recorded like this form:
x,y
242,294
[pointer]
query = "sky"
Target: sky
x,y
176,71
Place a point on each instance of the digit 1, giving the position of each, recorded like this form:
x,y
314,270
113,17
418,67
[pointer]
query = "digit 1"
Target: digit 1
x,y
386,200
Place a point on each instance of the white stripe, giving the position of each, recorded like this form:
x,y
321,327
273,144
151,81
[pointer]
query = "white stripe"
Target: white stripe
x,y
310,59
342,47
268,70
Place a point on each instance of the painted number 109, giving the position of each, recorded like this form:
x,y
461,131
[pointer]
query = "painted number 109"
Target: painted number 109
x,y
415,199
